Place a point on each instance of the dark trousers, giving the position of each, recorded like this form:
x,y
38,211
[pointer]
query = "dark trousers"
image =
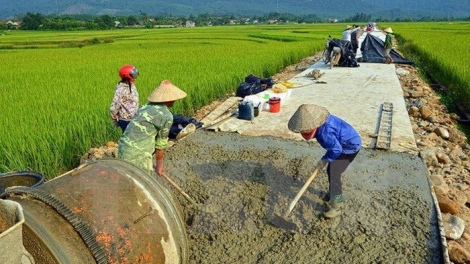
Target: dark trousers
x,y
355,46
335,169
123,124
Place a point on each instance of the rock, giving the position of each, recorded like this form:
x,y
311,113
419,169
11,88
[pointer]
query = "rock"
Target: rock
x,y
84,158
433,119
423,123
466,236
425,112
467,193
401,71
459,196
111,152
432,136
111,144
446,205
456,136
453,226
416,94
413,111
437,180
462,187
441,189
439,185
315,73
457,253
429,157
442,132
454,116
443,158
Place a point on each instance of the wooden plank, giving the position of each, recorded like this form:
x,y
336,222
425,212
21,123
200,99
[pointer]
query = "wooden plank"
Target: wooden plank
x,y
222,109
219,121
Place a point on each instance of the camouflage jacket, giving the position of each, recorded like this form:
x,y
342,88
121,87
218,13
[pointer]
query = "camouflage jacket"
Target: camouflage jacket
x,y
147,131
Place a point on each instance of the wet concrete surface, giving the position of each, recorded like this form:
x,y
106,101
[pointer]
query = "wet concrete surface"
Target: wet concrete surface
x,y
244,182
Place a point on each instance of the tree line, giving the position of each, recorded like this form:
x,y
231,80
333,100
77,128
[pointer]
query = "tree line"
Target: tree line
x,y
38,21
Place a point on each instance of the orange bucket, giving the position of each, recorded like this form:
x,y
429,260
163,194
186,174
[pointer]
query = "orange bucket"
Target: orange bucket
x,y
274,104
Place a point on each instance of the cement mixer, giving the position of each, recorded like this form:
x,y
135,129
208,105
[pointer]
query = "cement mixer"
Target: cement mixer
x,y
108,211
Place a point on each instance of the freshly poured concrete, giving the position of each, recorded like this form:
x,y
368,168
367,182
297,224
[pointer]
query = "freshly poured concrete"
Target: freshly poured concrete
x,y
244,183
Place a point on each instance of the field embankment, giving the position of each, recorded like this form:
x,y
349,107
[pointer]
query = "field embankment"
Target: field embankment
x,y
440,49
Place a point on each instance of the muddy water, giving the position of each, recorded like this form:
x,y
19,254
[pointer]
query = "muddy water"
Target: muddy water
x,y
244,183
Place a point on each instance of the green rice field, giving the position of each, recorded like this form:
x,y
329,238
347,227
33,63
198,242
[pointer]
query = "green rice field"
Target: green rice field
x,y
57,86
440,49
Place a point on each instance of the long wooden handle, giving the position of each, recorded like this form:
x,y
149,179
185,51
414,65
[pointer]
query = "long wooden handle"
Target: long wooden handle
x,y
179,189
301,192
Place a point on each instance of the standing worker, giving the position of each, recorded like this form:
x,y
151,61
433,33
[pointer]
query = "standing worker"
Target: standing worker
x,y
148,130
388,45
347,32
340,139
125,102
355,39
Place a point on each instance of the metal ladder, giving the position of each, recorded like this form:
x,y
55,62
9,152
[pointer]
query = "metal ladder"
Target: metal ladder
x,y
384,128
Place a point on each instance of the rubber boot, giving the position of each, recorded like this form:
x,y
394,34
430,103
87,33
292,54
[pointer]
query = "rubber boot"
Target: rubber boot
x,y
336,206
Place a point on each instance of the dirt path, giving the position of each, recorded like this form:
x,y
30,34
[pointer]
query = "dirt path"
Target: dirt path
x,y
244,182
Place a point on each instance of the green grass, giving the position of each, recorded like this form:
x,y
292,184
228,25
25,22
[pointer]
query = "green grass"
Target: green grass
x,y
57,86
440,49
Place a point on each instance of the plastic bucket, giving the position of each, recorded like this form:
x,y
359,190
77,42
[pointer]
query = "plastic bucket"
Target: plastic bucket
x,y
256,111
246,110
274,104
11,223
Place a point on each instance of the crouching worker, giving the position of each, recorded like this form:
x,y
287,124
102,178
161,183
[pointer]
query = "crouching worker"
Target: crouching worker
x,y
340,140
149,128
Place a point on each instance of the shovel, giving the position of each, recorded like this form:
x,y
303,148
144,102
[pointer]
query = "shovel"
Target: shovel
x,y
281,221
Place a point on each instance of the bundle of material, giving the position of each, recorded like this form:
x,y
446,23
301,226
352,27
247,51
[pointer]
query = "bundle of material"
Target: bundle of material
x,y
279,88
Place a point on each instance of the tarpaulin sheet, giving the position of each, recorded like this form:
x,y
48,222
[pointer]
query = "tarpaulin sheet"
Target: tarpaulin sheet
x,y
372,49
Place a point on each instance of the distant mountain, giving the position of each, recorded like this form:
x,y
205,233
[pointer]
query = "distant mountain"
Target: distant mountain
x,y
322,8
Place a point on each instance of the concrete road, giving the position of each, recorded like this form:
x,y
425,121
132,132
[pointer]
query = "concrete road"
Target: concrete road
x,y
354,94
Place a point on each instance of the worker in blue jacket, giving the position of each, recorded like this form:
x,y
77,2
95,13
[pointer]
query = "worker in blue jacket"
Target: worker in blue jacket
x,y
340,140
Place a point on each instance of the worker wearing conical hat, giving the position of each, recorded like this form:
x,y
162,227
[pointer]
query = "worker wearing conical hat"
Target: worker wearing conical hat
x,y
340,139
388,45
347,32
148,131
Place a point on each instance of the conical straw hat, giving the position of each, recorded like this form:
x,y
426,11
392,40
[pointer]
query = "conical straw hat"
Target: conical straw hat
x,y
166,92
307,117
388,30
